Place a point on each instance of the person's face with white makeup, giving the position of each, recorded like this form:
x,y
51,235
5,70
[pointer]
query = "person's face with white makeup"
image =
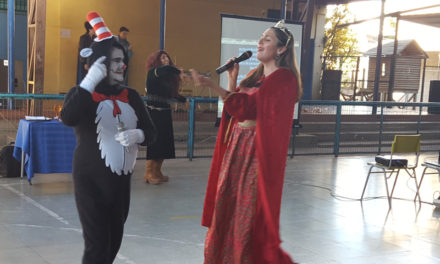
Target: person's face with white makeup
x,y
117,66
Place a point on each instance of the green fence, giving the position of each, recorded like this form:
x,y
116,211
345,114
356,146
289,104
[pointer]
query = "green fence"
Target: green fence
x,y
323,127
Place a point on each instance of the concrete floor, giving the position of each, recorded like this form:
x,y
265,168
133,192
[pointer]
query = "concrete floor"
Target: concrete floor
x,y
39,223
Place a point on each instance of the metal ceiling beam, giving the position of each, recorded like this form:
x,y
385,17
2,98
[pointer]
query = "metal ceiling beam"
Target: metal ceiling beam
x,y
393,14
162,24
393,62
378,58
283,9
11,62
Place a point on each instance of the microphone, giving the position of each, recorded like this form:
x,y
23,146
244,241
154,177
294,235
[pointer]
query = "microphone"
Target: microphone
x,y
246,55
121,128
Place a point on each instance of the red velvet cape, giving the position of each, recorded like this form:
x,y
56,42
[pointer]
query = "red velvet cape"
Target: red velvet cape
x,y
272,106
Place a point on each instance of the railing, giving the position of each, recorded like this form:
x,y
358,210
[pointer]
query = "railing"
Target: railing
x,y
366,131
193,102
325,127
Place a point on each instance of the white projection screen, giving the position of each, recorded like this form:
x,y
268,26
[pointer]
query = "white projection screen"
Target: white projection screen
x,y
240,34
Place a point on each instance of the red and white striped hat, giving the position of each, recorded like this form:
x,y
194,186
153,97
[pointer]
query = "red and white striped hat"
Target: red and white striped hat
x,y
101,30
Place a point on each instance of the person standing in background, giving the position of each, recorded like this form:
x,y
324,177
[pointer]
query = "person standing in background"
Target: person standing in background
x,y
84,42
122,38
163,83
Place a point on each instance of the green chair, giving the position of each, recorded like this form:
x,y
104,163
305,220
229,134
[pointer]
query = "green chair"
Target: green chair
x,y
402,144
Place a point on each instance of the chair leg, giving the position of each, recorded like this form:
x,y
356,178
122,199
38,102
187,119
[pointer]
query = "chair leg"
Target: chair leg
x,y
386,186
418,185
366,182
394,185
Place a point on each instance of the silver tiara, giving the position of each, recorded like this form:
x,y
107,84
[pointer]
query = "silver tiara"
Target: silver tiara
x,y
280,25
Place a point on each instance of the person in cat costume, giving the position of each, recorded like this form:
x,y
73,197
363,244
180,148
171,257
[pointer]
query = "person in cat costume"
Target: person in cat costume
x,y
110,121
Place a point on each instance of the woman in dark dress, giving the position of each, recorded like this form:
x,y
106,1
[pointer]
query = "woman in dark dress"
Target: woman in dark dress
x,y
163,82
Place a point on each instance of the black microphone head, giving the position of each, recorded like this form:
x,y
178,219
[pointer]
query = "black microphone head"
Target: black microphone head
x,y
246,55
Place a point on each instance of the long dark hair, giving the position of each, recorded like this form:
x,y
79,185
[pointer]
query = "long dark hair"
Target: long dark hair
x,y
154,60
286,60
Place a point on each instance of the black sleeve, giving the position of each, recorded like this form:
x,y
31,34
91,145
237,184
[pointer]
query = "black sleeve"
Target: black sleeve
x,y
151,83
162,81
180,98
76,104
144,119
82,45
165,70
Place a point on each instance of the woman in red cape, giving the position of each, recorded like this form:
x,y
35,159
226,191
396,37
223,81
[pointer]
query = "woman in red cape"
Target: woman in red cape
x,y
243,198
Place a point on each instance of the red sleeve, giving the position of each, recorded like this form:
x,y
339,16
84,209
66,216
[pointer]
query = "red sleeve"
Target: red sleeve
x,y
241,106
275,106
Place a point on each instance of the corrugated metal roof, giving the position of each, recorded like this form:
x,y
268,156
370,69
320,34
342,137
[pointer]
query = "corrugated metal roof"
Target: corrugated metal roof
x,y
408,47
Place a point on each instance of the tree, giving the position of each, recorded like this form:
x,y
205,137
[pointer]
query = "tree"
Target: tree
x,y
340,42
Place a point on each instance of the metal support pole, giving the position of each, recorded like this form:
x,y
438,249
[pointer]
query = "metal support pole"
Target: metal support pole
x,y
23,156
337,129
162,24
11,64
393,63
356,77
423,81
295,11
378,58
292,141
307,52
283,9
191,127
380,130
419,119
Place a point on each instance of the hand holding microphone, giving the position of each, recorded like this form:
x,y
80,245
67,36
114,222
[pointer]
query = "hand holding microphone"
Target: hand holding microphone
x,y
234,69
203,81
246,55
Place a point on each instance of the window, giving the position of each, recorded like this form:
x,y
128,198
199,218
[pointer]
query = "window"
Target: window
x,y
384,66
20,5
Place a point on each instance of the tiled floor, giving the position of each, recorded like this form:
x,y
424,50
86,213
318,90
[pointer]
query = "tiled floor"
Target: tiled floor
x,y
39,223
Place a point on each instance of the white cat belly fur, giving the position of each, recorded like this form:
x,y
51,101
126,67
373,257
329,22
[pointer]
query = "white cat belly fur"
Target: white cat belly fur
x,y
118,158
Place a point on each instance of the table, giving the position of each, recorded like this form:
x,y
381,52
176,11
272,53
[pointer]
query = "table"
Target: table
x,y
434,165
44,147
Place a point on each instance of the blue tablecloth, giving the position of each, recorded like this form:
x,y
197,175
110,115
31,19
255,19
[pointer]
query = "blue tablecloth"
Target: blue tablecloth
x,y
48,146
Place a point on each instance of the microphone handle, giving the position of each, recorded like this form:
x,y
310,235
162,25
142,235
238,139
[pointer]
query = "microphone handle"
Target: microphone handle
x,y
224,67
121,128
